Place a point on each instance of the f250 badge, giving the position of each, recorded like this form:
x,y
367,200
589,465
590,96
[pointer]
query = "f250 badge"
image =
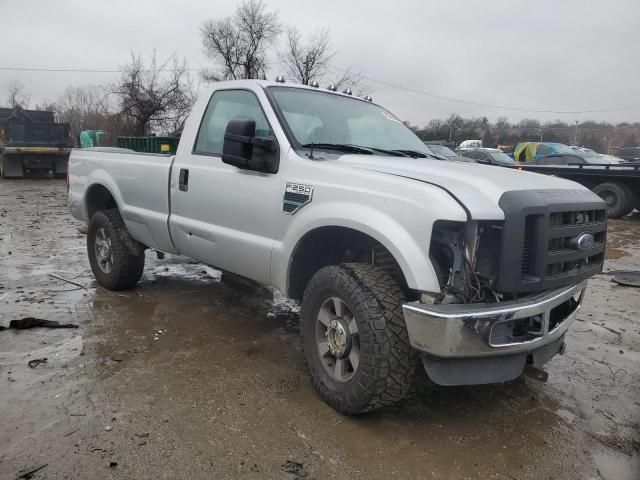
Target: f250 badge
x,y
296,196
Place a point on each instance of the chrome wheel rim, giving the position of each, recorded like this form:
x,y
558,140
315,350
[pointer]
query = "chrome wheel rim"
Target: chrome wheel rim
x,y
337,339
104,254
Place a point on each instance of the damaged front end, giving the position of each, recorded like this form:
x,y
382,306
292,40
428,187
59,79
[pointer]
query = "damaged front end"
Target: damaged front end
x,y
509,289
465,257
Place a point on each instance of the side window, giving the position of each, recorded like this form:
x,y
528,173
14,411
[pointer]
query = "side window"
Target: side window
x,y
470,154
543,150
224,106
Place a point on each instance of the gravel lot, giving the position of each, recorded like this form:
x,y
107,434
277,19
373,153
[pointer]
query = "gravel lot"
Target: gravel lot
x,y
198,374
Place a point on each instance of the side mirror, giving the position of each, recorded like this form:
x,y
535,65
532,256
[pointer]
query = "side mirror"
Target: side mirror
x,y
242,149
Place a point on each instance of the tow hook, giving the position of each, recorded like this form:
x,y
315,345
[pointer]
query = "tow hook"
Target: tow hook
x,y
536,373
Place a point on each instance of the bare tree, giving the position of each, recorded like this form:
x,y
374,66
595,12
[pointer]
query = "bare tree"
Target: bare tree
x,y
154,97
305,62
16,96
238,44
84,108
529,123
502,123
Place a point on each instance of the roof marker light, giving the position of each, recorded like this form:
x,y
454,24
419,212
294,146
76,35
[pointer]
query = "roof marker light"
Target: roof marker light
x,y
280,79
315,84
332,87
368,98
347,91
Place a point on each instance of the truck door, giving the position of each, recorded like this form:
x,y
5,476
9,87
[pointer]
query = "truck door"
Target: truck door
x,y
220,214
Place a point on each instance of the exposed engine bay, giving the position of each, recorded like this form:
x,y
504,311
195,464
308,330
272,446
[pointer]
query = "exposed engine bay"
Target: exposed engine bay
x,y
465,257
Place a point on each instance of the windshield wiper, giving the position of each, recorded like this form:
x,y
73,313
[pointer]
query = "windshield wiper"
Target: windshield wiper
x,y
393,153
351,148
341,147
417,154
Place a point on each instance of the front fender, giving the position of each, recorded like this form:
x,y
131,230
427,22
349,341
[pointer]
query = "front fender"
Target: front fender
x,y
408,241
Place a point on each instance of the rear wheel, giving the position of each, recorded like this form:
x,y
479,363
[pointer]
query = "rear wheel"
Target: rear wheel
x,y
116,259
617,196
355,340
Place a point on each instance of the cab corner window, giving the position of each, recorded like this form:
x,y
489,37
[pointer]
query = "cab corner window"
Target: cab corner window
x,y
224,106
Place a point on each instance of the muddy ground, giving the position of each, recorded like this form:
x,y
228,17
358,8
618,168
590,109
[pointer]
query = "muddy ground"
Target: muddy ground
x,y
198,374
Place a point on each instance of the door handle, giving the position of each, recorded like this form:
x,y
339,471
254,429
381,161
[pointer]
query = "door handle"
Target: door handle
x,y
183,182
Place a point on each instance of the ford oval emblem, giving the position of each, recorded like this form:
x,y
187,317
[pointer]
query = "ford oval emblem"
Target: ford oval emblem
x,y
585,242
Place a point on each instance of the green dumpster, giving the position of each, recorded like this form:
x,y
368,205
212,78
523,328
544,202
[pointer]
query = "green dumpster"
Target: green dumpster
x,y
166,145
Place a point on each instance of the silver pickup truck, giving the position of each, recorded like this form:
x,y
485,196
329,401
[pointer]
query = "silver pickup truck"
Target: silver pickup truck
x,y
396,255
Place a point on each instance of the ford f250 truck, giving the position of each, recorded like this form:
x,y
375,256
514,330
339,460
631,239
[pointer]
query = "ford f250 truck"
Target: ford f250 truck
x,y
395,255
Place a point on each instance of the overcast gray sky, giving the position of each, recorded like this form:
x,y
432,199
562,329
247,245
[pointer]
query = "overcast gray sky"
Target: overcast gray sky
x,y
561,55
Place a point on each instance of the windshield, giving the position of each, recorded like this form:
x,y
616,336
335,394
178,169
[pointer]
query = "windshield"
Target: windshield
x,y
560,148
325,118
502,157
443,150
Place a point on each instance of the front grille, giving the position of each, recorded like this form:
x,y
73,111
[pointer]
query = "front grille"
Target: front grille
x,y
581,217
527,247
541,247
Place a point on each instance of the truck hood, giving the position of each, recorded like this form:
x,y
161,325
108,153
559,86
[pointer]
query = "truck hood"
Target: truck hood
x,y
477,187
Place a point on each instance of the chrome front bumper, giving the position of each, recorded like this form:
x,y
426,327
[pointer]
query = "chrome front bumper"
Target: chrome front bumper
x,y
477,330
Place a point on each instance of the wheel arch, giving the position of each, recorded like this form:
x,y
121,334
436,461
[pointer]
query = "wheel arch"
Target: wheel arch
x,y
326,245
99,197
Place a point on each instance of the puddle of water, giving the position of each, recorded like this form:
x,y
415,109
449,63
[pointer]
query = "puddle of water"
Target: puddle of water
x,y
616,253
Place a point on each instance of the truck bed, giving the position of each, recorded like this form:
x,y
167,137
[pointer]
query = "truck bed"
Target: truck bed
x,y
140,178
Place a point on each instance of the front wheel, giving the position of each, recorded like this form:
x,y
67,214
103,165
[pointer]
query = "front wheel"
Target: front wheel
x,y
355,340
116,259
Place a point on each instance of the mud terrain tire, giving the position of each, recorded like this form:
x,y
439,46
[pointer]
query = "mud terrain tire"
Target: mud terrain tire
x,y
386,363
116,259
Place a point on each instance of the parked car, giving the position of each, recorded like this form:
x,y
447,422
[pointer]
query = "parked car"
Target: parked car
x,y
447,143
631,154
446,152
466,144
530,151
394,255
609,159
491,156
576,157
612,159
